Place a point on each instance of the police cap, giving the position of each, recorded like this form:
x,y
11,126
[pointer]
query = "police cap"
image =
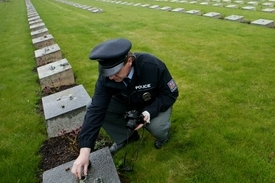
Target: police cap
x,y
110,55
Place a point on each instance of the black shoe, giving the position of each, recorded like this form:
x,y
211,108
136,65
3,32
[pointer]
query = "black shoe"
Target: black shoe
x,y
115,147
160,143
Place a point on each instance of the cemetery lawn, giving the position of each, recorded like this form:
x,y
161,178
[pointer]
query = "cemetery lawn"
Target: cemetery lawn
x,y
222,123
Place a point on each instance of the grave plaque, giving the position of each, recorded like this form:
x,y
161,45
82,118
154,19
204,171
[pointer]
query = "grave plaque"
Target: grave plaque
x,y
43,41
35,21
34,18
212,14
37,26
236,18
269,10
56,74
39,33
249,8
180,10
47,55
263,22
65,110
194,12
102,167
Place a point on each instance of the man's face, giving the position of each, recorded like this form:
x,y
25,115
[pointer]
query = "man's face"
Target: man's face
x,y
123,73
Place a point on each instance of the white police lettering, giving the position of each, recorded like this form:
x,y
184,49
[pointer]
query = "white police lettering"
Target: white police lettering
x,y
143,86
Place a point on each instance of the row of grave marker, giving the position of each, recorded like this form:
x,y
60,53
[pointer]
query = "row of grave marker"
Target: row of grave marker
x,y
238,18
64,110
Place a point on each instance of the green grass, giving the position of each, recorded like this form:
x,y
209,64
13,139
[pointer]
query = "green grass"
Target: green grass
x,y
222,124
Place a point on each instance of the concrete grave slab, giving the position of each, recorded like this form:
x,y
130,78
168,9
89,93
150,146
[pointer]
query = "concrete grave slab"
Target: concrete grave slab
x,y
179,10
217,4
254,3
102,167
217,1
35,21
236,18
268,4
239,2
47,55
166,8
43,41
154,6
269,10
193,2
56,74
37,26
212,14
39,33
145,5
263,22
249,8
194,12
33,18
65,110
232,6
204,3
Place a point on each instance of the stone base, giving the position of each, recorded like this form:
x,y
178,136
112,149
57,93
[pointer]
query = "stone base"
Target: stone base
x,y
102,167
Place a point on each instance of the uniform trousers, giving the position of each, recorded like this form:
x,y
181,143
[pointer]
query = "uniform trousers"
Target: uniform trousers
x,y
115,124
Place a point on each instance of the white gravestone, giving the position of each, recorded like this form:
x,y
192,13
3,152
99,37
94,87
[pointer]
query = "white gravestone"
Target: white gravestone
x,y
47,55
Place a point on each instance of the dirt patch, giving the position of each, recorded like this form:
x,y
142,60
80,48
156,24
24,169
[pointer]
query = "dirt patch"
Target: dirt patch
x,y
64,148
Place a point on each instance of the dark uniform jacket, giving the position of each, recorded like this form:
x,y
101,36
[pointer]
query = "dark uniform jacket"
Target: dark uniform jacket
x,y
151,89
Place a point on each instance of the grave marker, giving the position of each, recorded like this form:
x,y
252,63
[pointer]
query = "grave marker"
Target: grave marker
x,y
236,18
39,33
56,74
263,22
43,41
47,55
194,12
102,167
65,110
212,14
37,26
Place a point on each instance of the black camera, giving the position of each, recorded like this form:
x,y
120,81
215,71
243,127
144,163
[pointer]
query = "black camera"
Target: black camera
x,y
133,119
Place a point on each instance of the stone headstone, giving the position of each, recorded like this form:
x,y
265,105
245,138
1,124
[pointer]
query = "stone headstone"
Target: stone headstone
x,y
65,110
249,8
56,74
269,10
102,167
254,3
166,8
43,41
35,21
263,22
48,54
180,10
232,6
217,4
39,33
268,4
212,14
236,18
33,18
194,12
37,26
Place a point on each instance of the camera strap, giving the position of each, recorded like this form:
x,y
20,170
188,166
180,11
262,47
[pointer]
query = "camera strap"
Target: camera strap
x,y
129,167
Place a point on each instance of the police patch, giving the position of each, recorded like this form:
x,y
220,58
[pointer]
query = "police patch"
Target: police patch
x,y
172,85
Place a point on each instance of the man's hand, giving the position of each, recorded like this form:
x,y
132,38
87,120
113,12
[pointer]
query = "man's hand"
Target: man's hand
x,y
81,163
146,119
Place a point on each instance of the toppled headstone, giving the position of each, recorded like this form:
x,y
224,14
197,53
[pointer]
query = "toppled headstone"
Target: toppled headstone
x,y
102,168
64,111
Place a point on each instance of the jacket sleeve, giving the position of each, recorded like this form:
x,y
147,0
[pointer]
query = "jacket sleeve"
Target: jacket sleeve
x,y
94,116
167,93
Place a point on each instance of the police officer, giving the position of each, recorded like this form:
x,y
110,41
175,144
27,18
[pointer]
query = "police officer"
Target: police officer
x,y
127,81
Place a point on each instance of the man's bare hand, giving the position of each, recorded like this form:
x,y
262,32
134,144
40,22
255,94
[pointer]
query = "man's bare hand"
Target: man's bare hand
x,y
81,163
